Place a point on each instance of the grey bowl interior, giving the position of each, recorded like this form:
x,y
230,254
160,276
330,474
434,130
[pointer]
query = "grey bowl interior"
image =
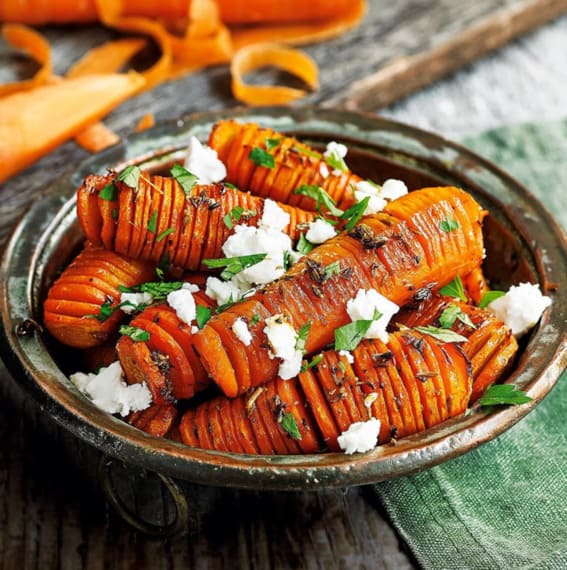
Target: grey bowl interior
x,y
517,250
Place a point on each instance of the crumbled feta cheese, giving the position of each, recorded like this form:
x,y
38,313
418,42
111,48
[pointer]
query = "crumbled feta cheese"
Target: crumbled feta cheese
x,y
242,332
191,287
133,300
282,339
274,217
348,355
183,303
222,291
294,256
194,329
336,151
110,393
323,170
320,231
393,189
204,163
363,307
521,307
364,189
360,437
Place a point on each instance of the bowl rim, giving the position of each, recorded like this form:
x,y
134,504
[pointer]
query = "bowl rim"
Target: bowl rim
x,y
22,258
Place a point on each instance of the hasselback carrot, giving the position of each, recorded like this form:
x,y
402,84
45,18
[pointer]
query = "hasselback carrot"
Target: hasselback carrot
x,y
294,164
395,252
155,420
73,311
174,363
307,414
491,347
155,218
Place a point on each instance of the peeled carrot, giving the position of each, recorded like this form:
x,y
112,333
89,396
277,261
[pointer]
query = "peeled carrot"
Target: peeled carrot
x,y
196,229
155,420
381,252
295,164
73,306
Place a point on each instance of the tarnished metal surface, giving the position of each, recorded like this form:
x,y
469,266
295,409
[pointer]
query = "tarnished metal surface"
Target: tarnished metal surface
x,y
523,242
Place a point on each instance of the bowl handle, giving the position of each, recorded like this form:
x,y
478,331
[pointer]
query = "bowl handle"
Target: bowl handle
x,y
112,494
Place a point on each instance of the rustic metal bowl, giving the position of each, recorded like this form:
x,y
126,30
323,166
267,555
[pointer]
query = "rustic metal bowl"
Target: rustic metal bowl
x,y
522,241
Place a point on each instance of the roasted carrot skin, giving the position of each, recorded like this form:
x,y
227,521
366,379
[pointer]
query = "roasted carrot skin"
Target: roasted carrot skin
x,y
384,251
72,311
294,164
197,225
333,394
155,420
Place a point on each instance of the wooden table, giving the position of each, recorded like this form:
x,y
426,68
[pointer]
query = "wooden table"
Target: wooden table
x,y
52,512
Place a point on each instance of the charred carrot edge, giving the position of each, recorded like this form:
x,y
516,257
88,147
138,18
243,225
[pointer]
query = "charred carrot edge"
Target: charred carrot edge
x,y
475,285
276,410
380,252
243,426
76,297
195,222
270,422
257,423
227,424
155,420
188,429
233,142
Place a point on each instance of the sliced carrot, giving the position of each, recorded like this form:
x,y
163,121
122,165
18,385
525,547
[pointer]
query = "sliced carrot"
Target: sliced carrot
x,y
155,420
227,425
204,429
270,423
215,424
188,429
259,55
242,426
32,42
146,122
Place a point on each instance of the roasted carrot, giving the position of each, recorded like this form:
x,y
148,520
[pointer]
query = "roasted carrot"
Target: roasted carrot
x,y
155,420
73,308
297,163
157,218
381,252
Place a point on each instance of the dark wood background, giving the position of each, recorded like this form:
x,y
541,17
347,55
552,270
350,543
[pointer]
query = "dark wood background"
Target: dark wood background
x,y
52,511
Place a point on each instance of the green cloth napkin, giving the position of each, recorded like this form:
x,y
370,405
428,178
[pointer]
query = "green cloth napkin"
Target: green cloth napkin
x,y
503,505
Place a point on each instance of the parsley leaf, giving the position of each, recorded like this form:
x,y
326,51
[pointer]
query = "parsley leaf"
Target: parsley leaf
x,y
162,267
185,178
159,290
226,305
164,234
332,269
235,214
503,394
289,425
490,296
108,192
304,246
203,315
130,176
135,333
349,336
255,319
306,151
454,289
234,265
449,225
302,337
451,314
260,157
230,185
322,199
313,362
354,213
152,223
272,143
444,335
335,162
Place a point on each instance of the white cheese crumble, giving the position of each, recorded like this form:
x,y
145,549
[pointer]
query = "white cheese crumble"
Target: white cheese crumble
x,y
133,300
204,163
282,339
223,291
348,355
336,151
242,332
183,303
323,170
364,306
320,231
360,437
110,393
392,189
274,217
521,307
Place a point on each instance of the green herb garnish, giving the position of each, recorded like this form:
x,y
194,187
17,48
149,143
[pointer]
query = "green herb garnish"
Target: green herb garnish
x,y
349,336
108,192
354,213
313,362
164,234
203,315
444,335
449,225
490,296
322,199
272,143
260,157
451,314
335,162
185,178
304,246
234,265
235,214
502,395
302,337
454,289
152,223
306,151
254,320
332,269
135,333
159,290
289,425
130,176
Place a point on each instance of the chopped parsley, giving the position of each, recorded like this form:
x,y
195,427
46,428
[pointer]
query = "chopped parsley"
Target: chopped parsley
x,y
235,214
108,192
255,319
444,335
159,290
449,225
313,362
203,315
273,143
490,296
130,176
451,314
135,333
185,178
349,336
302,337
332,269
260,157
354,213
289,425
454,289
234,265
502,395
335,162
304,246
152,223
306,151
164,234
322,199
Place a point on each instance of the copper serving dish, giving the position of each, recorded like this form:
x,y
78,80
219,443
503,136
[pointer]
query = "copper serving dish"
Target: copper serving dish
x,y
522,241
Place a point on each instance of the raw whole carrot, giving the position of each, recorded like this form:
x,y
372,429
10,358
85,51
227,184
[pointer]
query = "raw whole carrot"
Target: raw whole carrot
x,y
491,347
196,228
337,394
295,163
75,299
155,420
381,252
